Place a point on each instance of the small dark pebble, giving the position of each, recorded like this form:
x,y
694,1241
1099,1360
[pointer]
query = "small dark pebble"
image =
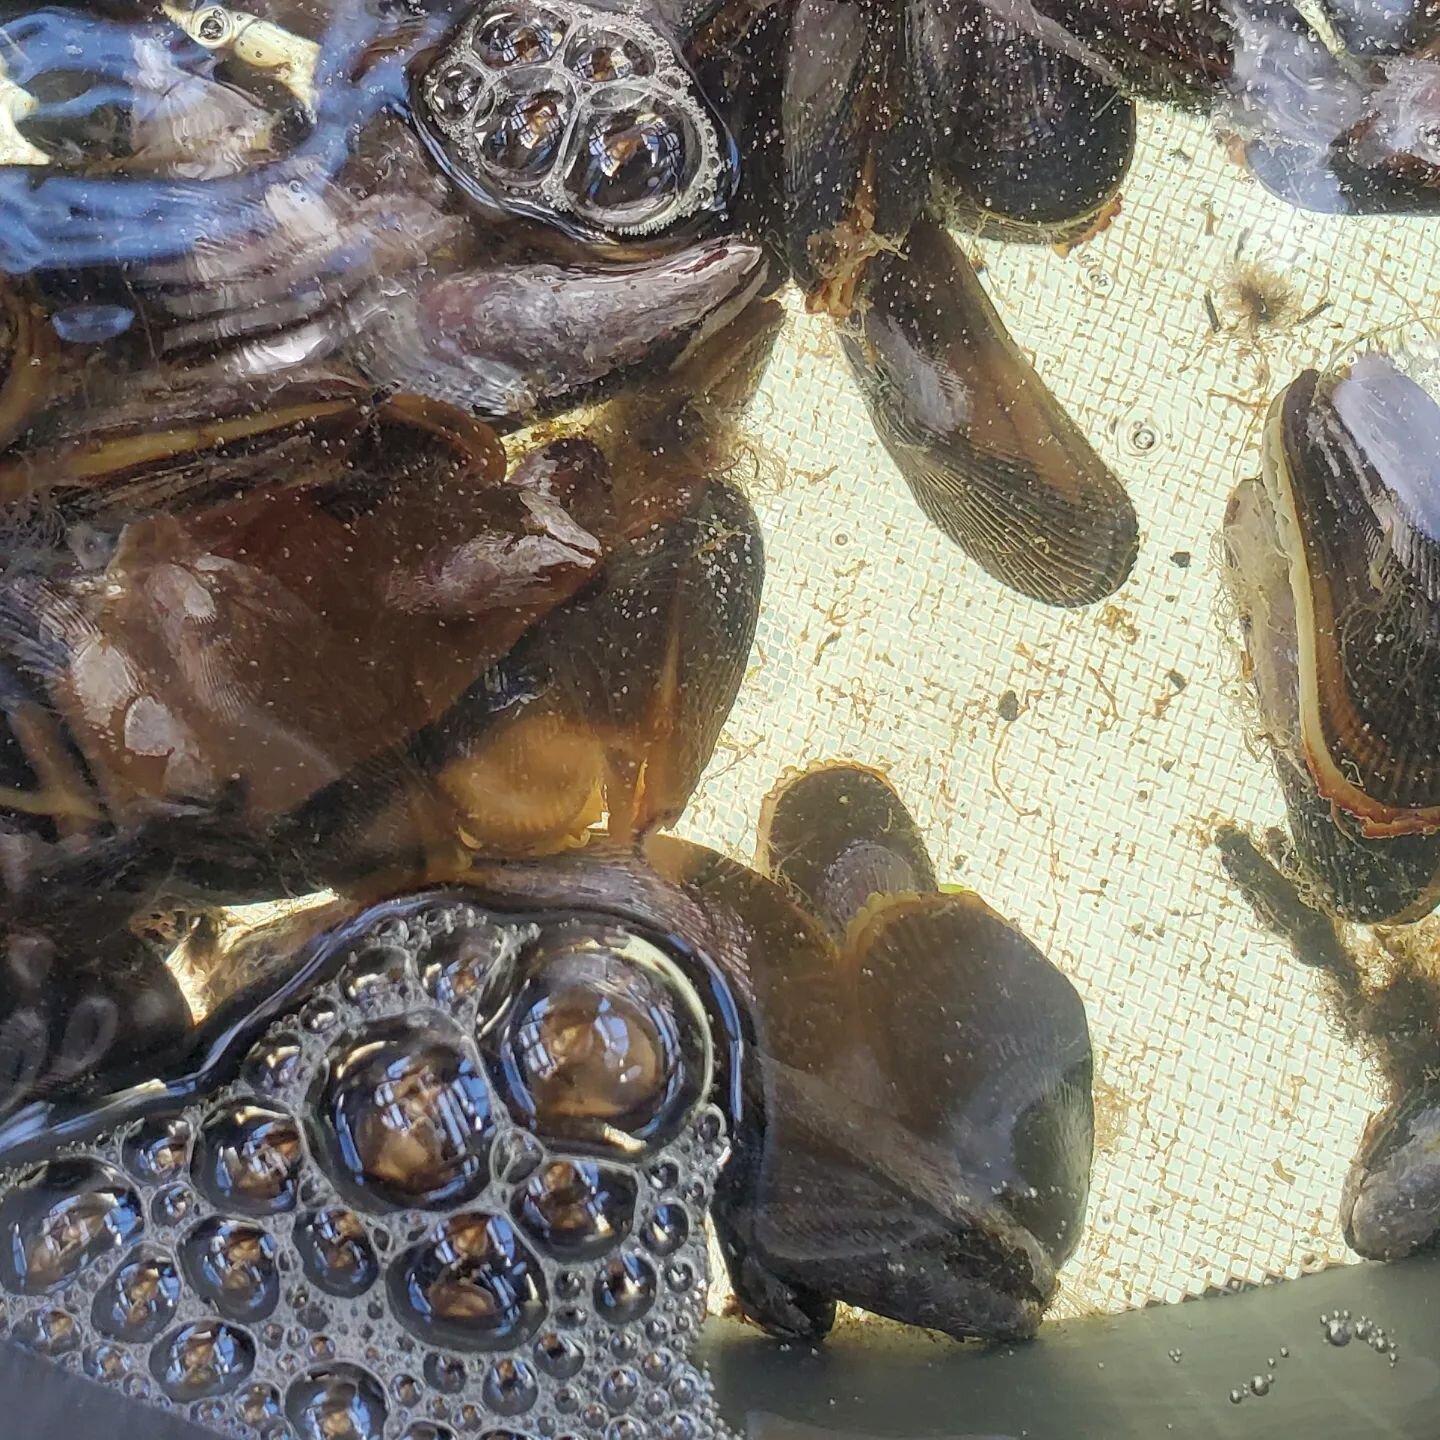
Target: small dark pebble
x,y
1176,679
1181,558
1009,707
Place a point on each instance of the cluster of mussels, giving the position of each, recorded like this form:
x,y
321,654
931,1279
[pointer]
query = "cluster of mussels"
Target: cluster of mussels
x,y
368,372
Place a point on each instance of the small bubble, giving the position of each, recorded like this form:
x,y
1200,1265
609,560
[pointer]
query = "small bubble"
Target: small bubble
x,y
1284,1352
1236,1396
1176,1355
1260,1384
91,324
1337,1329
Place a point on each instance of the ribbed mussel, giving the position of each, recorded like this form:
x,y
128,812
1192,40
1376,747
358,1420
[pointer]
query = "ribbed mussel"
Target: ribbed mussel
x,y
1333,561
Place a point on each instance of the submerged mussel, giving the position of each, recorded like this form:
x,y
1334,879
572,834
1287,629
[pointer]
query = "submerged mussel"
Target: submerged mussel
x,y
919,1125
1333,562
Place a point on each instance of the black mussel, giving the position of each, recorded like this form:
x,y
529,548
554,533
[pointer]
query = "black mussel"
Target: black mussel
x,y
990,456
613,707
1390,1206
1176,50
856,147
477,1255
970,1133
514,341
1334,567
1030,142
836,836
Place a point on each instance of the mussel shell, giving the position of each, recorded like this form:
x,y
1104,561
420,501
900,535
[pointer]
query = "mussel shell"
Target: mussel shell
x,y
837,835
1391,1202
990,456
516,341
1179,51
1347,874
1349,461
921,1126
856,146
1029,142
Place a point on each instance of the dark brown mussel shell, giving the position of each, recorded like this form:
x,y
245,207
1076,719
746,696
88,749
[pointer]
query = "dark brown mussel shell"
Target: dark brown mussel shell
x,y
1029,142
482,1120
1332,561
836,835
1391,1202
990,456
856,145
1180,51
514,341
920,1125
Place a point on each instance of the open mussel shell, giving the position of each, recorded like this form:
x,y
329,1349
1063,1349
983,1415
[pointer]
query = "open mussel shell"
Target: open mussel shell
x,y
1030,143
919,1127
835,836
1391,1202
1355,877
990,456
454,1150
1350,474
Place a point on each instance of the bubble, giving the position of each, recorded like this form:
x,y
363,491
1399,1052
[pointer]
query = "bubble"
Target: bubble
x,y
574,1209
510,1387
472,962
625,1289
520,138
657,1365
336,1252
1337,1328
664,1175
602,56
515,1156
623,1345
620,1388
445,1373
259,1405
605,1040
682,1427
711,1127
319,1017
337,1402
198,1361
232,1266
157,1150
1260,1384
631,159
410,1117
626,1429
106,1362
273,1065
405,1389
516,37
61,1218
424,1430
474,1287
680,1275
1236,1396
48,1332
667,1229
558,1355
139,1300
374,973
172,1205
683,1390
247,1158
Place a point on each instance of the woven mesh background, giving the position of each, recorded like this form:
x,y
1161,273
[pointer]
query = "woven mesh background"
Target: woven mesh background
x,y
1227,1106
